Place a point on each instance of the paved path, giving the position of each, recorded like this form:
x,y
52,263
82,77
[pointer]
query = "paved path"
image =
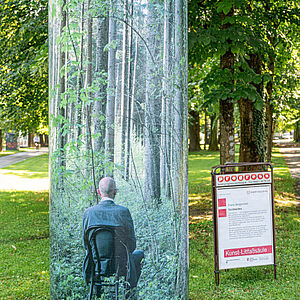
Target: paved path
x,y
8,160
291,155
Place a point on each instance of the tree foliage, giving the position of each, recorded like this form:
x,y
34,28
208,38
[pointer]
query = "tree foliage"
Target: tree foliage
x,y
24,64
265,29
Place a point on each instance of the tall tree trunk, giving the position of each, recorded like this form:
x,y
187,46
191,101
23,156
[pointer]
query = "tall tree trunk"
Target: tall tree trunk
x,y
134,84
99,109
124,83
118,93
252,126
226,116
194,131
61,89
129,92
165,117
78,113
180,147
89,77
110,108
269,112
213,141
152,111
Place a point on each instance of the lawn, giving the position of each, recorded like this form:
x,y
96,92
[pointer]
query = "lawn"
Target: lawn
x,y
24,235
8,152
35,167
243,283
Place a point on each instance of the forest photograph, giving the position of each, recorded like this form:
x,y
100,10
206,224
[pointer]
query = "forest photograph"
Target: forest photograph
x,y
118,108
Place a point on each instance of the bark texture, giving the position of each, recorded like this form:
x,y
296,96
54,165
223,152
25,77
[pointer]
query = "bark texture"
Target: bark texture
x,y
269,128
99,109
152,111
252,125
226,117
110,107
213,141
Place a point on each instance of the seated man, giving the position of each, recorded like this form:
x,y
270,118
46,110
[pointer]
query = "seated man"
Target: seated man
x,y
107,213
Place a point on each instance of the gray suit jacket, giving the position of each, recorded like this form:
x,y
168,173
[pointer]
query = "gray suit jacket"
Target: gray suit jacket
x,y
107,213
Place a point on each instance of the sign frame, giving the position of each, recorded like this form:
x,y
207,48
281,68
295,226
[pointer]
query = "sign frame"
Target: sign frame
x,y
230,169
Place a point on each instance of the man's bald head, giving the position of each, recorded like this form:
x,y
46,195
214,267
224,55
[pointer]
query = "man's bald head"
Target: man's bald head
x,y
107,187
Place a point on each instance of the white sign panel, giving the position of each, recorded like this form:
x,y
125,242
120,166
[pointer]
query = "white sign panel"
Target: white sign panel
x,y
244,218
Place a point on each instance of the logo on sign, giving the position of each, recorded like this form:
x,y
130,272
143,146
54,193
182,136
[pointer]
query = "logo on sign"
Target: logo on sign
x,y
227,178
220,178
247,177
267,176
222,202
260,176
233,178
253,176
222,213
241,177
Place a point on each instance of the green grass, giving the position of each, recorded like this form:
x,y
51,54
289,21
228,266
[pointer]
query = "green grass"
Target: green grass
x,y
24,237
35,167
5,152
243,283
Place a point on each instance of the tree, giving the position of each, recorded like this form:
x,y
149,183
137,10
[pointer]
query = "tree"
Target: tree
x,y
250,42
24,64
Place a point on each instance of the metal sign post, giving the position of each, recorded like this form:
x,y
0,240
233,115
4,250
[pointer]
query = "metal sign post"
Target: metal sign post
x,y
243,216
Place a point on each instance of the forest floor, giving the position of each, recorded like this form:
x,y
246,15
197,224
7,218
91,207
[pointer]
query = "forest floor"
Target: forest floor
x,y
242,283
24,230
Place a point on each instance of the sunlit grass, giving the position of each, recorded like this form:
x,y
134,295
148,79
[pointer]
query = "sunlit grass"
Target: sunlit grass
x,y
24,236
244,283
35,167
5,153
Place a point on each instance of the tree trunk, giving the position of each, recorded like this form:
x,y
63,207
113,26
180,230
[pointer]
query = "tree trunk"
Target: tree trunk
x,y
194,131
124,83
129,93
134,85
89,79
118,93
110,108
297,132
62,88
78,112
165,117
99,109
269,112
226,117
252,126
213,141
180,192
152,112
205,131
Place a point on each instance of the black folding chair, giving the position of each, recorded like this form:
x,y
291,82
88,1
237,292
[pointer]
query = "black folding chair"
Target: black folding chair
x,y
101,246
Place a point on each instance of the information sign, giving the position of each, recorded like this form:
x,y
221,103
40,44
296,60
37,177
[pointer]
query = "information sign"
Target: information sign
x,y
243,218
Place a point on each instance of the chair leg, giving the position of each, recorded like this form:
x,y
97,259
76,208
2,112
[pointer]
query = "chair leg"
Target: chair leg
x,y
91,290
117,287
